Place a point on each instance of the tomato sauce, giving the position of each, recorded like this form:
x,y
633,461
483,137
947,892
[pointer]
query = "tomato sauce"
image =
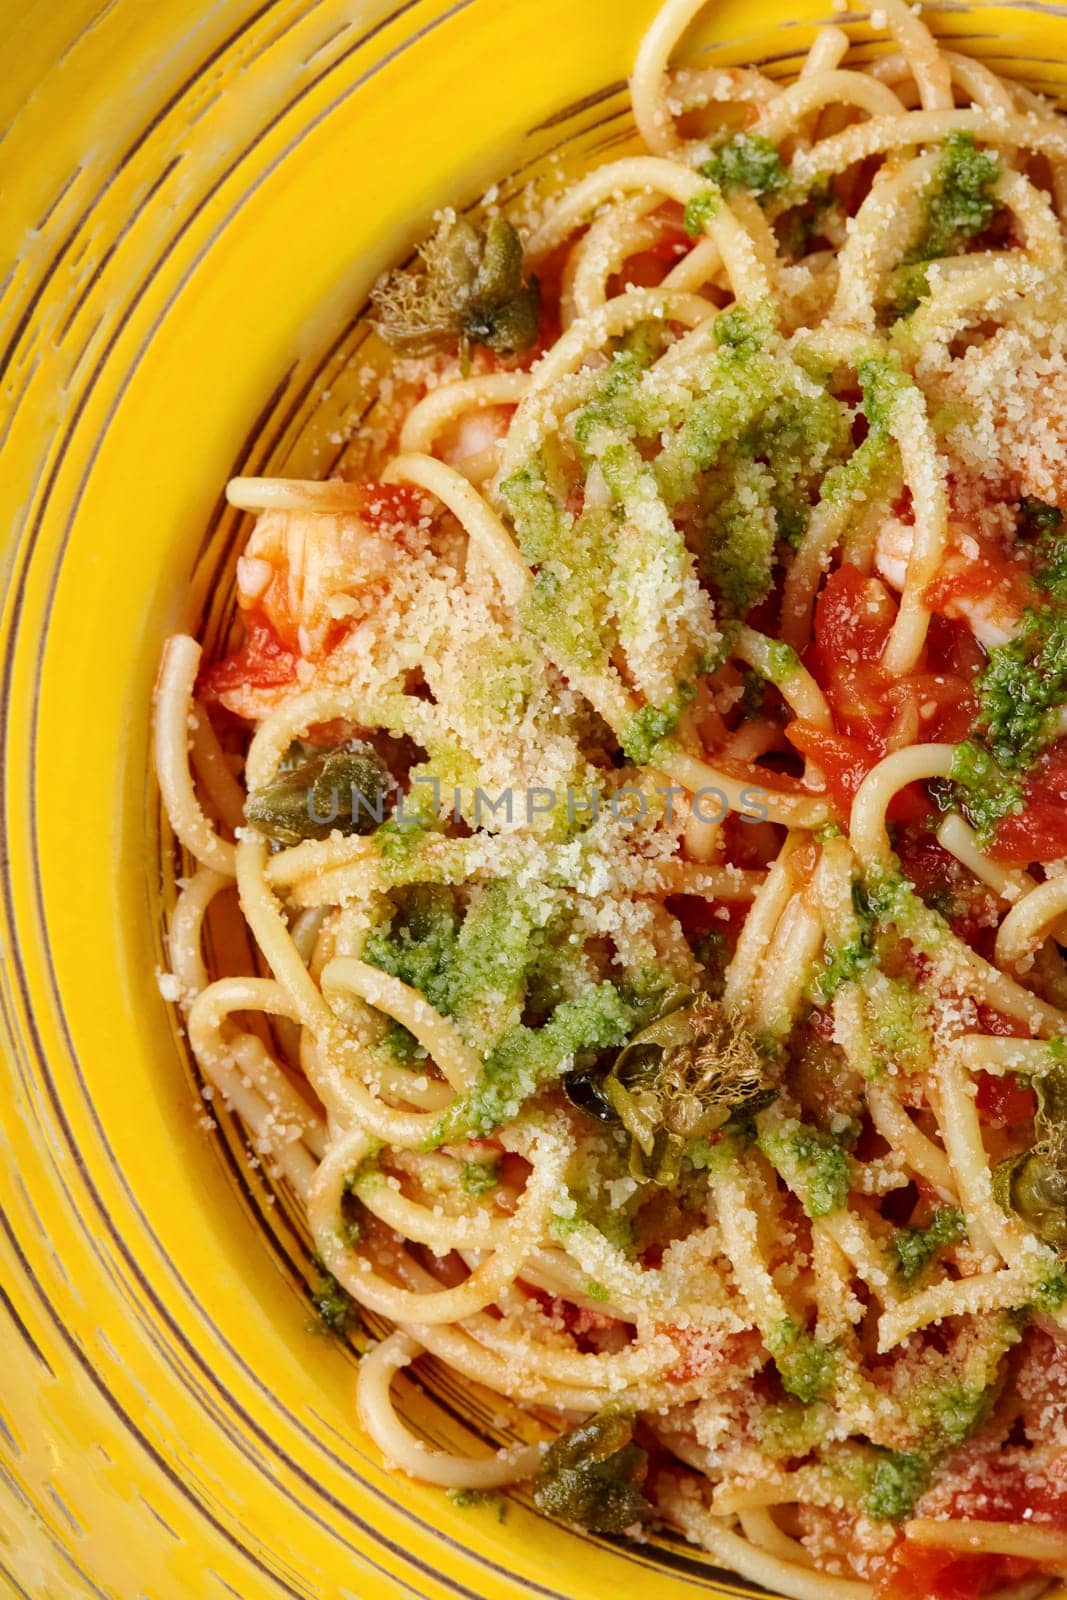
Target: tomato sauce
x,y
262,661
853,617
1039,831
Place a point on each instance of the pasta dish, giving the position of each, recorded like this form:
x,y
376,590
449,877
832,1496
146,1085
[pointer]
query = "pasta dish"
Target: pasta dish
x,y
646,792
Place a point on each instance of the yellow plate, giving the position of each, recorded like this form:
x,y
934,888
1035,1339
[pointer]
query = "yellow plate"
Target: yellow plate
x,y
196,198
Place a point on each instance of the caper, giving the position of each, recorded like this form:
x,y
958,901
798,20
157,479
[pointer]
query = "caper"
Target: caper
x,y
341,789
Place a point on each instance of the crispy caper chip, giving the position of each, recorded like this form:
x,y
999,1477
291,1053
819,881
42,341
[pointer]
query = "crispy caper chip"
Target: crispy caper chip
x,y
680,1078
467,284
343,789
592,1474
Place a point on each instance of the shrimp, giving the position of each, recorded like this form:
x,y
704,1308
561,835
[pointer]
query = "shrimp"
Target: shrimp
x,y
313,574
475,433
986,592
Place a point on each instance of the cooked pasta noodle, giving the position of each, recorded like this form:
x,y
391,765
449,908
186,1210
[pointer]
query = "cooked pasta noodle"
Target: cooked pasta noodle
x,y
647,799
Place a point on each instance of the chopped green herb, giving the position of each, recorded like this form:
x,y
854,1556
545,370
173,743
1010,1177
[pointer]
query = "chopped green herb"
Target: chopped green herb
x,y
468,1499
335,1307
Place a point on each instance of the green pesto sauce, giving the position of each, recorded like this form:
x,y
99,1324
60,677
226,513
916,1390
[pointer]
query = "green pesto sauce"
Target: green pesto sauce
x,y
526,1059
652,724
418,945
473,969
805,1366
700,210
1020,692
782,661
401,1044
479,1177
909,286
895,1481
823,1162
797,226
960,204
916,1248
746,161
617,1224
946,1414
1050,1293
845,964
740,535
334,1306
399,841
790,1428
538,520
752,457
470,1499
620,402
1023,682
882,383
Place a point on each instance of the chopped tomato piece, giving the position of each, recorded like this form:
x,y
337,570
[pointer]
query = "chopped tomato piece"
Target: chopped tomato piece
x,y
927,863
844,761
990,1020
945,704
857,692
674,244
853,616
388,506
1002,1102
261,662
951,647
1039,831
920,1572
1037,834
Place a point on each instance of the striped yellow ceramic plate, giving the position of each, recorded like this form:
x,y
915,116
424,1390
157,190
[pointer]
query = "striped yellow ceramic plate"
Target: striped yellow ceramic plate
x,y
195,199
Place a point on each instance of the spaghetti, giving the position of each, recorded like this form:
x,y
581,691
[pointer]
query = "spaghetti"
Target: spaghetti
x,y
647,795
